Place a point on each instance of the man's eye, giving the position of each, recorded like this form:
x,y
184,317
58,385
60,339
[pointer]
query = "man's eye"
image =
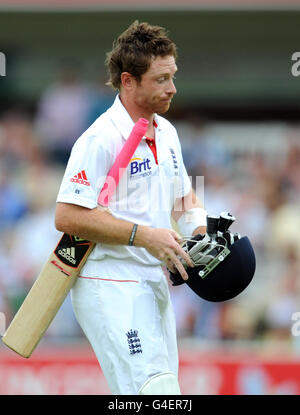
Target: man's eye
x,y
164,78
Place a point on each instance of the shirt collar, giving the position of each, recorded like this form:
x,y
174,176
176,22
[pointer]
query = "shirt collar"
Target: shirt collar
x,y
122,120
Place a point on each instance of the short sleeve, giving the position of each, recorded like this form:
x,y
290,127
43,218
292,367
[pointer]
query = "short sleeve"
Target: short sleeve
x,y
184,185
85,173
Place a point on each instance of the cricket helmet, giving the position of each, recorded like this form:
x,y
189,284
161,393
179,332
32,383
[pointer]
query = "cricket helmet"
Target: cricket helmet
x,y
224,263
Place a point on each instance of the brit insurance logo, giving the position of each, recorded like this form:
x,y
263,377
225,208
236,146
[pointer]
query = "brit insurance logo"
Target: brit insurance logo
x,y
139,168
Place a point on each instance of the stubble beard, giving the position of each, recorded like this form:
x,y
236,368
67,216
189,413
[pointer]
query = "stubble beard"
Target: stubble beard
x,y
162,108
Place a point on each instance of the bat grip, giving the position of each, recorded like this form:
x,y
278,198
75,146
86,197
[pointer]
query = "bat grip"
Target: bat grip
x,y
122,161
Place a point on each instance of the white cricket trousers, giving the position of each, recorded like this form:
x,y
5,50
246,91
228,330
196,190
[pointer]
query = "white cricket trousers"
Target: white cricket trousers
x,y
126,314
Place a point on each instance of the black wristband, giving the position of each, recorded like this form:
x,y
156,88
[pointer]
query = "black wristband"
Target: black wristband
x,y
132,236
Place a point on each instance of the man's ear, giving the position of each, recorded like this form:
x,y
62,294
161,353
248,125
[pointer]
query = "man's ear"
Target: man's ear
x,y
127,81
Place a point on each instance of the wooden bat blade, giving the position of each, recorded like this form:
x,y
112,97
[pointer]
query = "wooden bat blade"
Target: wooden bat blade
x,y
47,295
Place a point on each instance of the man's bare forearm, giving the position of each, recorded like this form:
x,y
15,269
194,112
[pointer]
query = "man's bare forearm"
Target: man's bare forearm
x,y
97,225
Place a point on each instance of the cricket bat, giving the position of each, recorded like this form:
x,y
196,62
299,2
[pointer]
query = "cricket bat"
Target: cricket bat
x,y
63,266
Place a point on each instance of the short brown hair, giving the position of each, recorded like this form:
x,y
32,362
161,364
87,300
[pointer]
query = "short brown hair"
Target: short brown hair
x,y
134,50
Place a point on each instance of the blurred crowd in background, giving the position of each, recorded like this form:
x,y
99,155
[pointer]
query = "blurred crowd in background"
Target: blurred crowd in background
x,y
251,170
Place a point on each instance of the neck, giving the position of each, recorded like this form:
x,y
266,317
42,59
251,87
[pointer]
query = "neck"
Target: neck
x,y
135,111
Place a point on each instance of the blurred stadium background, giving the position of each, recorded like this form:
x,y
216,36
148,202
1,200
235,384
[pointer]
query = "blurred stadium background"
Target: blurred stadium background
x,y
237,111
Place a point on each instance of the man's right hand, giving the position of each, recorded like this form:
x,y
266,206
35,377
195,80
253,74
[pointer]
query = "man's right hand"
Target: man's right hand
x,y
164,244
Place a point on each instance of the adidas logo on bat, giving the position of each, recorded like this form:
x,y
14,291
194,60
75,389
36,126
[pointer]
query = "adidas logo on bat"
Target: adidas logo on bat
x,y
71,250
69,254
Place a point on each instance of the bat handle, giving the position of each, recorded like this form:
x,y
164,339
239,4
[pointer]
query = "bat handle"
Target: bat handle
x,y
122,160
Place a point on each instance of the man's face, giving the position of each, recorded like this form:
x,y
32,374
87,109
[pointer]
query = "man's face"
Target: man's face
x,y
155,90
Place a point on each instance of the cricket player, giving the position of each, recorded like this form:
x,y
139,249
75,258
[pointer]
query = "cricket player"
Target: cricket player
x,y
121,298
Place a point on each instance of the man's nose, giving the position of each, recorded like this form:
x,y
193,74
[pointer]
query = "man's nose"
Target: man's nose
x,y
171,88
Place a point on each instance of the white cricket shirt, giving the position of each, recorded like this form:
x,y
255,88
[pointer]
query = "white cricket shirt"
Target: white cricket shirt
x,y
147,190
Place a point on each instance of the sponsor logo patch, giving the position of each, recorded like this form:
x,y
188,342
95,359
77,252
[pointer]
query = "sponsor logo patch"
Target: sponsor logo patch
x,y
71,250
175,163
139,167
81,179
134,342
